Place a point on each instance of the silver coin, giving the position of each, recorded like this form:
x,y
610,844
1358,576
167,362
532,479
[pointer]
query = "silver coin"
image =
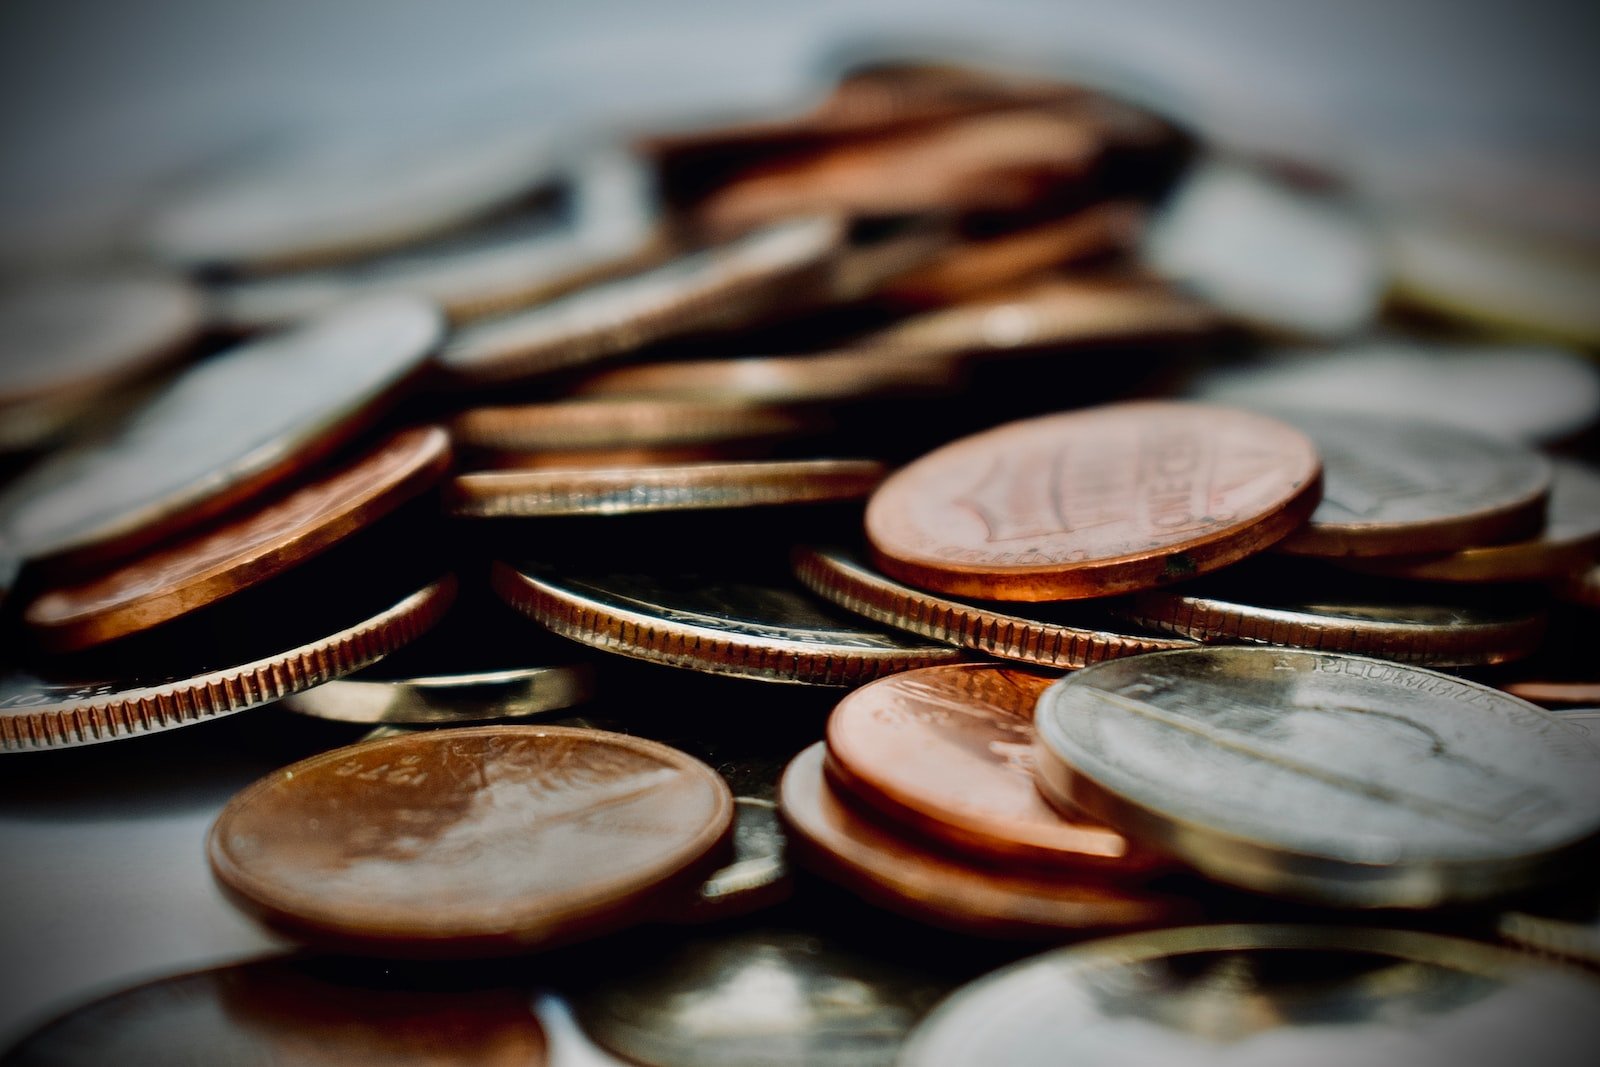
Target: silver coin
x,y
758,874
450,699
1334,778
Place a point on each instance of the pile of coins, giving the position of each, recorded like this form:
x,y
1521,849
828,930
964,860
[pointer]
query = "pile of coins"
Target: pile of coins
x,y
951,390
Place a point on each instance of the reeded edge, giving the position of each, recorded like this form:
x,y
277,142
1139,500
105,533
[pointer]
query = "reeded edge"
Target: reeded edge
x,y
1574,941
485,696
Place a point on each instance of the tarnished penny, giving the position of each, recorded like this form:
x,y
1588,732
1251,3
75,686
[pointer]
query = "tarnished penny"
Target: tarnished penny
x,y
819,378
715,625
1340,779
930,886
190,574
947,753
306,1011
36,713
691,487
1392,487
624,423
1093,502
840,577
486,840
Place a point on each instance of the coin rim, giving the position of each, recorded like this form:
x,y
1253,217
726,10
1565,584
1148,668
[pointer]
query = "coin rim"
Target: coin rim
x,y
533,690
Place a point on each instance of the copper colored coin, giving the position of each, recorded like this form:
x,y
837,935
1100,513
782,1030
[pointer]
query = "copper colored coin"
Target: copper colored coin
x,y
946,752
932,887
1094,502
1582,588
488,840
623,423
1555,693
614,458
191,574
849,374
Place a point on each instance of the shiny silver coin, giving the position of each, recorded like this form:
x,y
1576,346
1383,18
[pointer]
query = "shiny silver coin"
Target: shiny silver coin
x,y
451,699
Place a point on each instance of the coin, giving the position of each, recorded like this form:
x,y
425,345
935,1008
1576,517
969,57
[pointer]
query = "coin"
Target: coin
x,y
1340,779
1093,502
253,548
757,875
199,447
317,1013
1555,692
896,745
37,713
632,491
615,458
713,624
624,423
723,286
1562,938
1267,994
455,699
1585,720
476,841
1582,588
840,577
805,379
933,887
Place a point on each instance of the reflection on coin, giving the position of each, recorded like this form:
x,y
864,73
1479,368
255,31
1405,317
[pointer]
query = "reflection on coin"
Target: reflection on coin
x,y
623,423
633,491
715,625
1093,502
808,379
840,577
1334,778
1555,692
486,840
897,745
316,1013
1564,938
482,696
224,430
778,998
930,886
203,569
1392,487
1268,995
1582,588
756,877
35,713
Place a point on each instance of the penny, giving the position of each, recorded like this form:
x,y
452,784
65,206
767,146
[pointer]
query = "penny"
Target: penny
x,y
933,887
484,840
199,447
1392,487
624,423
1555,692
713,624
454,699
1340,779
806,379
1563,938
723,286
319,1013
245,551
838,576
37,713
757,875
1267,994
897,744
632,491
1093,502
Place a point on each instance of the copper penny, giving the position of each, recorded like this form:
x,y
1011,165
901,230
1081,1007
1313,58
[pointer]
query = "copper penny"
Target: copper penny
x,y
816,378
1582,588
1585,720
1555,692
615,458
1093,502
486,840
1393,487
201,570
36,713
932,887
896,746
624,423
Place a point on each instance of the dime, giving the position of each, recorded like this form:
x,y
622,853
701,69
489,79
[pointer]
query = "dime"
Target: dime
x,y
1392,487
1267,994
1334,778
485,840
756,877
35,713
632,491
808,379
1093,502
896,746
715,625
624,423
840,577
453,699
932,887
224,430
207,567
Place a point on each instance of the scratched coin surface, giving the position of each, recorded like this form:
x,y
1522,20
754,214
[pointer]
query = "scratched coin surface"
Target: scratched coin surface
x,y
1393,487
947,753
1258,995
314,1012
1335,778
484,840
1094,502
222,431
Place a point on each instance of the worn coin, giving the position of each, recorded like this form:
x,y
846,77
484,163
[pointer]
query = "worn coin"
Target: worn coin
x,y
756,876
1340,779
625,423
484,840
1093,502
847,374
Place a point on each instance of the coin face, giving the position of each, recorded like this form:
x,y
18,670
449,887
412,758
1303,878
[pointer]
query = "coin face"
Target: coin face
x,y
1345,780
1267,994
199,446
486,840
1093,502
1392,487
